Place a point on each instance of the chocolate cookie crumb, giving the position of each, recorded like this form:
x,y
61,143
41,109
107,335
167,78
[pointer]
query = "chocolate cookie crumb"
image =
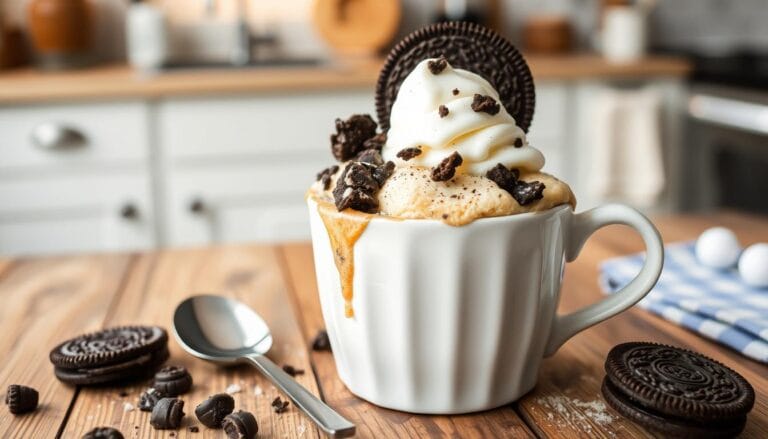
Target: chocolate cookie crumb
x,y
149,398
526,193
383,172
167,414
279,406
408,153
505,178
485,104
350,136
356,188
240,425
443,111
455,91
21,399
173,380
212,411
447,168
518,143
436,66
103,433
371,156
292,371
325,175
321,342
376,142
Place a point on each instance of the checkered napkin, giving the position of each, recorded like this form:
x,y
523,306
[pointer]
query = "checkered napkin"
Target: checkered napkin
x,y
714,303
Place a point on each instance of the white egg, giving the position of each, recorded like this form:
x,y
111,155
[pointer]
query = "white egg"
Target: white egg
x,y
753,265
718,247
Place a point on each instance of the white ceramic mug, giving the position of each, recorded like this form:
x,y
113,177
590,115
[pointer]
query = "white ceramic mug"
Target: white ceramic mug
x,y
457,319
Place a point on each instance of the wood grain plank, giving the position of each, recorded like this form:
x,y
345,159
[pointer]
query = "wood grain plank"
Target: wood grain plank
x,y
373,421
156,285
561,403
46,301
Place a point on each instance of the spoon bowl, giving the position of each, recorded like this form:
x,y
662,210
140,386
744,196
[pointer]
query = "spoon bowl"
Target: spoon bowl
x,y
225,331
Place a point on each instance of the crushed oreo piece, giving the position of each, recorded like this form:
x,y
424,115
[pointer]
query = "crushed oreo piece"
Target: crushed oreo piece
x,y
240,425
526,193
436,66
518,143
455,91
376,142
325,175
173,380
383,172
292,371
167,414
371,156
21,399
408,153
279,406
443,111
350,136
447,168
212,411
356,188
149,398
485,104
103,433
523,192
321,342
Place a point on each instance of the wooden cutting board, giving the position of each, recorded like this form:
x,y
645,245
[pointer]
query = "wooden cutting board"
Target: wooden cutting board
x,y
357,27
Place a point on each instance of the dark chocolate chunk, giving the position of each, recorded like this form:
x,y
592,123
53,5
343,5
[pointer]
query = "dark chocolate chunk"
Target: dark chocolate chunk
x,y
504,177
518,143
240,425
436,66
443,111
467,46
279,406
455,91
350,136
408,153
173,380
325,175
485,104
292,371
103,433
527,192
321,342
213,410
370,156
167,414
21,399
447,168
676,392
376,142
149,398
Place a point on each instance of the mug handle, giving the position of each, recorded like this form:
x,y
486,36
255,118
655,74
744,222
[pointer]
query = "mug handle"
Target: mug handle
x,y
581,227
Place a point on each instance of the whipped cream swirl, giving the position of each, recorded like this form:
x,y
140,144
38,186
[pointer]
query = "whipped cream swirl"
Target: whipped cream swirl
x,y
482,139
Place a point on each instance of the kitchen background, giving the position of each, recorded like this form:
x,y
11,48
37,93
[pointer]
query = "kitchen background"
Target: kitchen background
x,y
129,125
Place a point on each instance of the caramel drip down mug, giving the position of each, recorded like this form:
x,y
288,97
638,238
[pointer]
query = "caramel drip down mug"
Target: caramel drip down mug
x,y
457,319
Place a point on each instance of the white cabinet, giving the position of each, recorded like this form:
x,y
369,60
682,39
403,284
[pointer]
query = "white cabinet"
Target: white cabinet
x,y
80,184
237,169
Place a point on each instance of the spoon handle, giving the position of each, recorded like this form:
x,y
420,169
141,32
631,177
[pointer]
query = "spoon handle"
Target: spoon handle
x,y
325,417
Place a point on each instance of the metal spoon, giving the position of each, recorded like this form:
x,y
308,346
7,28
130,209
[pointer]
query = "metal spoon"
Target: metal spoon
x,y
225,331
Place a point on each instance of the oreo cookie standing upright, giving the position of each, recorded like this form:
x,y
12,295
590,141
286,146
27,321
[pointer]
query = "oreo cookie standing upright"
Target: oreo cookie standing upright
x,y
467,46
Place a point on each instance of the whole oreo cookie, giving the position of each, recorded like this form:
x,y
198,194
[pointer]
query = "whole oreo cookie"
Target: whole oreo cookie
x,y
114,354
675,391
465,46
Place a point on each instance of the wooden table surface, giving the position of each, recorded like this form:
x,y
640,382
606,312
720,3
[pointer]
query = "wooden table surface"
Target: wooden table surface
x,y
45,300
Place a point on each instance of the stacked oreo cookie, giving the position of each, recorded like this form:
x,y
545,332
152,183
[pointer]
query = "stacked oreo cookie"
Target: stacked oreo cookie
x,y
111,355
676,392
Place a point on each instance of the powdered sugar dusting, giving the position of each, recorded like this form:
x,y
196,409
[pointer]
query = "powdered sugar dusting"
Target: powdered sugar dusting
x,y
233,388
563,411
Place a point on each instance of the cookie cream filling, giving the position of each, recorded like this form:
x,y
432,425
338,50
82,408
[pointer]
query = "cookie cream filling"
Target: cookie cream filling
x,y
434,112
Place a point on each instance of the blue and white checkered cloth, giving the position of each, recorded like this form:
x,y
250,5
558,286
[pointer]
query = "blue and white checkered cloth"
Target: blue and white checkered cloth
x,y
713,303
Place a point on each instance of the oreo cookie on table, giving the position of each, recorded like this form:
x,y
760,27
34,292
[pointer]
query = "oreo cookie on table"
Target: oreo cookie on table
x,y
467,46
110,355
676,392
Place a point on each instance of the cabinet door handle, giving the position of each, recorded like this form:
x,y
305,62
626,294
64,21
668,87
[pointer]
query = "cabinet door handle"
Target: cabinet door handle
x,y
53,135
197,206
129,211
